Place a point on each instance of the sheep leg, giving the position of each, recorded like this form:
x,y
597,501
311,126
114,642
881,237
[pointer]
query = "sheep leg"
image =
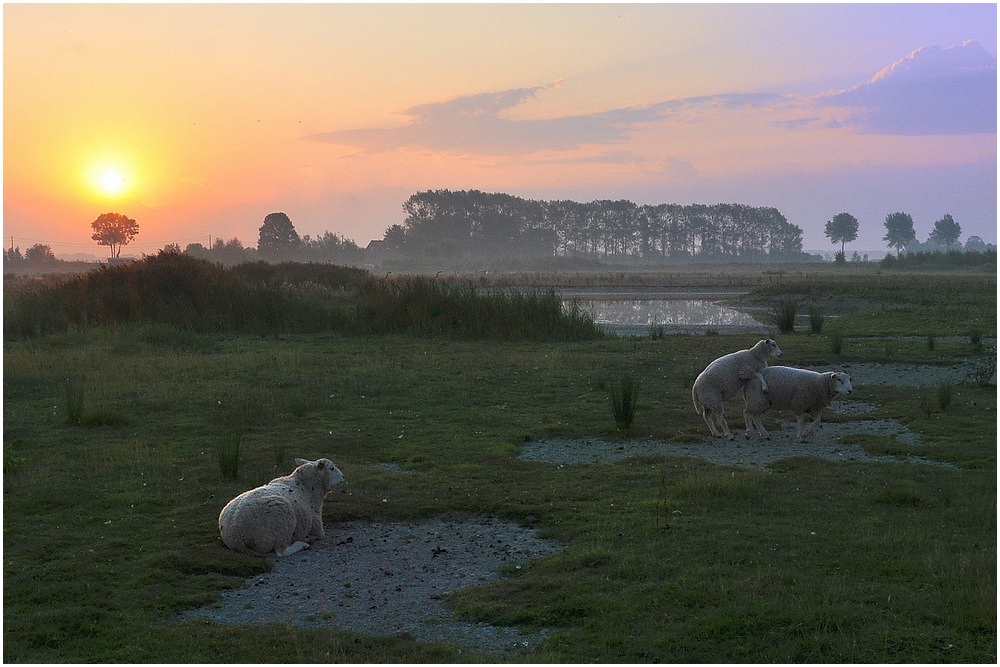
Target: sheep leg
x,y
725,427
292,548
707,415
800,419
746,374
754,420
813,426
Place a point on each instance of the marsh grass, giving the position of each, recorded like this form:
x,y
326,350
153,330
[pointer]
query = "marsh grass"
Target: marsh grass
x,y
783,315
74,404
228,453
110,532
624,398
816,320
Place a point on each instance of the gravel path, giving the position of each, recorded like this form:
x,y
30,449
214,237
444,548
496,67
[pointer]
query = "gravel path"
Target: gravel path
x,y
391,578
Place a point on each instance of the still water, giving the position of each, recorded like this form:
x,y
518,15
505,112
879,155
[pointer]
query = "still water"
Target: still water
x,y
640,314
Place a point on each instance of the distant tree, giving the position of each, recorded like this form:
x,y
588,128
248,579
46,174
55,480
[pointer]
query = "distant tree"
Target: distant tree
x,y
946,232
39,254
899,231
843,227
114,230
172,248
278,238
975,244
13,256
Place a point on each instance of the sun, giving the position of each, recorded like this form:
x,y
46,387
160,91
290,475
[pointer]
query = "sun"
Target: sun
x,y
112,182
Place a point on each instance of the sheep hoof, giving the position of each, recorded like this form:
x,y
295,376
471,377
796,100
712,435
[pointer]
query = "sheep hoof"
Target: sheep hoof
x,y
293,548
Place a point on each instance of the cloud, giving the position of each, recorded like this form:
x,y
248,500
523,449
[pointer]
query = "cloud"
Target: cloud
x,y
479,124
932,91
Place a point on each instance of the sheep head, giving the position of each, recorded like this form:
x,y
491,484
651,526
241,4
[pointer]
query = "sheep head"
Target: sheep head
x,y
841,383
323,472
771,347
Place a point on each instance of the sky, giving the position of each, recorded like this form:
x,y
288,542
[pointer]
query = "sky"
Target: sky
x,y
198,120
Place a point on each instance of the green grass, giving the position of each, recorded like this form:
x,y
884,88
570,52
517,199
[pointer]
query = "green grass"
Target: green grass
x,y
110,529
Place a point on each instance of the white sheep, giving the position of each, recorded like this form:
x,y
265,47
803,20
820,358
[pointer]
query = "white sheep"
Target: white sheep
x,y
796,389
724,377
283,516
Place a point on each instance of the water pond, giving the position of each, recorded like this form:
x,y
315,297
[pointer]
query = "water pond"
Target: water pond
x,y
640,313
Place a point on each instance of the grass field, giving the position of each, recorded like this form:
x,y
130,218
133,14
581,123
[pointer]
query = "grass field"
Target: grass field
x,y
112,487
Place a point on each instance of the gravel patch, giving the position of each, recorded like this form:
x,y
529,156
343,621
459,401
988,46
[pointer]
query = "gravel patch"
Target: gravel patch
x,y
388,579
900,375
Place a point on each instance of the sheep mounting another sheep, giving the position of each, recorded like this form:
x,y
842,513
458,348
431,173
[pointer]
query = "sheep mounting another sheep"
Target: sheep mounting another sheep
x,y
796,389
283,516
724,377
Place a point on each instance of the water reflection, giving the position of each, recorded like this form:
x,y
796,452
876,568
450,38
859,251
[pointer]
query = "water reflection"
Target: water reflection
x,y
639,316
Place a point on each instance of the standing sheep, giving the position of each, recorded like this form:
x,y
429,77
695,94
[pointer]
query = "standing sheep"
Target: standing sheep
x,y
283,516
796,389
724,377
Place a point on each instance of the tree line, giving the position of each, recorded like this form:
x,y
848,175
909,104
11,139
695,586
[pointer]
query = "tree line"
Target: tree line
x,y
443,224
900,235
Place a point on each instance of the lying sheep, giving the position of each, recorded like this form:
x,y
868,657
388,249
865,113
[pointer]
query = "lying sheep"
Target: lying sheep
x,y
795,389
724,377
283,516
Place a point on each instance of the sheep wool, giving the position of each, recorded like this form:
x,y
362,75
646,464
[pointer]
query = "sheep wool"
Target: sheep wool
x,y
283,516
797,390
724,377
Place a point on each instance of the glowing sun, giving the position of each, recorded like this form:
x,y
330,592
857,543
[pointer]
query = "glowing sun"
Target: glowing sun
x,y
112,182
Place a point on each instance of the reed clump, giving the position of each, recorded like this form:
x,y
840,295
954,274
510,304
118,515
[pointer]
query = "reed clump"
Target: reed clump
x,y
194,295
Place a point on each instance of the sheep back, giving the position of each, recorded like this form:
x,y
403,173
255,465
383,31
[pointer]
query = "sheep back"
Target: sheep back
x,y
286,510
727,375
796,389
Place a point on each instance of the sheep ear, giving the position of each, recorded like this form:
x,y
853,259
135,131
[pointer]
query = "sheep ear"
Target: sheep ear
x,y
300,462
321,464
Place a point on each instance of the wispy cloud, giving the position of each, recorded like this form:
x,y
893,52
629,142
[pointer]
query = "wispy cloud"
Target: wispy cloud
x,y
478,124
931,91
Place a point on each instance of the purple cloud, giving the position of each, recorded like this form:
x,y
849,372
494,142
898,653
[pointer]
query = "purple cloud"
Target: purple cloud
x,y
475,123
931,91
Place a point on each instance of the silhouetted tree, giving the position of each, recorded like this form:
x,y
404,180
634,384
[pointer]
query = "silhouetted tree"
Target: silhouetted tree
x,y
843,227
278,238
899,231
114,230
946,232
39,254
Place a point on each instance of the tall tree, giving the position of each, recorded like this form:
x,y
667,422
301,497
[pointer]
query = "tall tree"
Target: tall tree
x,y
114,230
843,227
946,232
278,238
899,231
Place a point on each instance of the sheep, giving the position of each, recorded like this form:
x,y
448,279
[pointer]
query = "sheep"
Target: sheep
x,y
724,377
796,389
283,516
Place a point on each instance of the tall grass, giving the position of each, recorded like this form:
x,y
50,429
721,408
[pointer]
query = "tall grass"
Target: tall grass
x,y
195,295
624,398
783,315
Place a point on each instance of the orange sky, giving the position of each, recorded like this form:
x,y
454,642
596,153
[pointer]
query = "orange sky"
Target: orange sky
x,y
216,115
